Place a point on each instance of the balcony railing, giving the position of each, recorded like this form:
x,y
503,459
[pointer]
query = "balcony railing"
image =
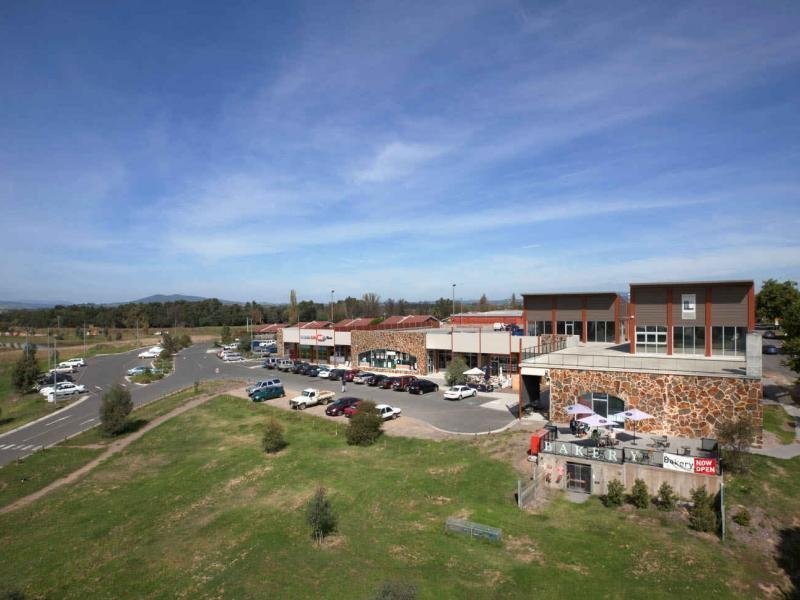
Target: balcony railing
x,y
545,346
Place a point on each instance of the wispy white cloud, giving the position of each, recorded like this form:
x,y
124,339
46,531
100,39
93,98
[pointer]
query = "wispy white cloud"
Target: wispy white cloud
x,y
396,160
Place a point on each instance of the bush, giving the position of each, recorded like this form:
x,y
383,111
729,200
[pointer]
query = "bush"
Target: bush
x,y
225,334
667,498
118,336
114,410
245,343
615,495
273,440
702,516
25,371
319,515
169,344
742,517
640,497
365,425
454,375
396,590
184,341
735,439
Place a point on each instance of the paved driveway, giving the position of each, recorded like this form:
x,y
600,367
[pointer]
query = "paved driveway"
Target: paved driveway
x,y
198,363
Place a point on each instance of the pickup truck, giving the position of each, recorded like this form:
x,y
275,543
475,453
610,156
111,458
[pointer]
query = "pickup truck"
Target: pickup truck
x,y
311,397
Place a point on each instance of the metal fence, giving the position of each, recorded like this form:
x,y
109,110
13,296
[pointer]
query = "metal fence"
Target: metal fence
x,y
526,490
475,530
544,347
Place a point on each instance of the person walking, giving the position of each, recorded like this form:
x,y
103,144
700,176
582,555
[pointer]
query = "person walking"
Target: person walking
x,y
344,383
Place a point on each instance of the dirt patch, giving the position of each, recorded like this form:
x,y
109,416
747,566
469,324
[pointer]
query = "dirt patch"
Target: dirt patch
x,y
404,555
575,568
453,470
439,500
132,465
332,542
523,549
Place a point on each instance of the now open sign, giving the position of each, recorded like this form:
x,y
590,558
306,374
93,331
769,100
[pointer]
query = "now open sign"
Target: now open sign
x,y
705,466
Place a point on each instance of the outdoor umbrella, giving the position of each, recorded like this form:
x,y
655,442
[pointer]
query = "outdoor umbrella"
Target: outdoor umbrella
x,y
596,421
578,409
634,415
474,371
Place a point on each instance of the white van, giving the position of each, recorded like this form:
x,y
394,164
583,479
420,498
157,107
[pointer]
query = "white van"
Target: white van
x,y
285,364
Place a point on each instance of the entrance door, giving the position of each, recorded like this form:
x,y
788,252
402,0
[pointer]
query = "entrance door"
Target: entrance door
x,y
579,477
569,328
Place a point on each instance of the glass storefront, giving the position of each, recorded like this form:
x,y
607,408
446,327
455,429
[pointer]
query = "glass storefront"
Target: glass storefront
x,y
688,340
651,339
602,403
600,331
728,341
540,327
387,359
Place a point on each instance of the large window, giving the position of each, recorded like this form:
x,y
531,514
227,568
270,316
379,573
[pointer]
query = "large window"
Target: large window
x,y
540,327
600,331
651,339
569,327
386,359
728,341
688,340
603,404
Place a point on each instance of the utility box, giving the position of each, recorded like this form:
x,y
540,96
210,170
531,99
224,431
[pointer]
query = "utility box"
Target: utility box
x,y
536,441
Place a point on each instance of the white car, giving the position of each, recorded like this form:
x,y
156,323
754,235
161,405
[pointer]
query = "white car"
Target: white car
x,y
232,357
65,388
153,352
324,371
388,412
361,377
457,392
62,368
73,362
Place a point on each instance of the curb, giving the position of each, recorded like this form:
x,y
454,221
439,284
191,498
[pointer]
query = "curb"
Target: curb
x,y
500,430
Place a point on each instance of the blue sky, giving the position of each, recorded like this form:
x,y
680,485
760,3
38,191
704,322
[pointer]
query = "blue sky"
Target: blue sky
x,y
242,149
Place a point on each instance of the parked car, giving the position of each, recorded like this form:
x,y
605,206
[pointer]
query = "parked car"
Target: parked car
x,y
401,383
324,371
770,335
74,362
376,380
285,365
268,393
311,397
387,383
336,408
422,386
335,374
47,380
352,409
299,367
482,387
65,388
349,374
361,377
387,412
262,384
770,349
153,352
140,370
457,392
62,368
270,362
233,357
313,370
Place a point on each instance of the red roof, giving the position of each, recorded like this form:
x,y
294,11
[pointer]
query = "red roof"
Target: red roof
x,y
350,324
398,322
313,325
271,328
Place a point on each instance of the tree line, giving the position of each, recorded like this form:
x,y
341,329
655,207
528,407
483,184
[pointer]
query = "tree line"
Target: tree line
x,y
212,312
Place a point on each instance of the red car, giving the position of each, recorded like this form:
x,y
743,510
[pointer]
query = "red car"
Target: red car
x,y
349,374
387,383
401,383
340,406
352,409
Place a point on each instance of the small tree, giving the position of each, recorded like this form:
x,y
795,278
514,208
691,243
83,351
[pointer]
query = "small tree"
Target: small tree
x,y
365,425
454,375
273,440
245,343
640,497
225,334
667,498
615,495
702,516
169,344
396,590
735,438
319,515
184,341
25,371
114,410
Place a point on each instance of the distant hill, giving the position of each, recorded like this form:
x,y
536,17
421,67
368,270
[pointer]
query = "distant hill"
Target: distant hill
x,y
9,305
174,298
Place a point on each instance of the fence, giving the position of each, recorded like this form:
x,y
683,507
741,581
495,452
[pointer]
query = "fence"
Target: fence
x,y
475,530
526,492
544,347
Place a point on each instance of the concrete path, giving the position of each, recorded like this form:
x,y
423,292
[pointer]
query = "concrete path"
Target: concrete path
x,y
784,451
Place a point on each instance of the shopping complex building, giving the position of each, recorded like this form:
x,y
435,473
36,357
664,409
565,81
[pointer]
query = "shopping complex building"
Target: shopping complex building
x,y
686,353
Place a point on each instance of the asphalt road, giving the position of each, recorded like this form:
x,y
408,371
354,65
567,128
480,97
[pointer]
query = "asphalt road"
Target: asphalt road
x,y
199,363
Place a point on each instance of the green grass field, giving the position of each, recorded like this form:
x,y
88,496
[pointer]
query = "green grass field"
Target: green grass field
x,y
195,509
777,421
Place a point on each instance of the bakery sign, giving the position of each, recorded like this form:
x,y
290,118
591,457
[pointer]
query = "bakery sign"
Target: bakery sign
x,y
315,337
690,464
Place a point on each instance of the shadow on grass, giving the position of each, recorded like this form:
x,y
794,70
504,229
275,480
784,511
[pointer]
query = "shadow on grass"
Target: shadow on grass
x,y
789,559
130,427
6,420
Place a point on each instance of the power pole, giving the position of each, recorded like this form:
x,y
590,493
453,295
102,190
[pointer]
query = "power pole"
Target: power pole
x,y
452,321
332,305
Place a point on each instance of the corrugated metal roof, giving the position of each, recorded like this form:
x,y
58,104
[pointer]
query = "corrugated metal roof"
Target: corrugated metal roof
x,y
270,328
345,324
491,313
674,283
407,320
570,294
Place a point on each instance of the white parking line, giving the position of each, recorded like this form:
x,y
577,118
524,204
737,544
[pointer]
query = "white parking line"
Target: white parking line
x,y
56,421
6,446
97,387
89,421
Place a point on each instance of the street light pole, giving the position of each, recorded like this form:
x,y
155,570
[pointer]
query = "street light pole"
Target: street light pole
x,y
332,291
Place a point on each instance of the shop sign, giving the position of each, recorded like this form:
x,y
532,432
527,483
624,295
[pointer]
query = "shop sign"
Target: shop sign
x,y
315,337
690,464
611,455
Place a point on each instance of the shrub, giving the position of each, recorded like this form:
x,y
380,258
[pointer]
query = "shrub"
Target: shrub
x,y
615,495
735,438
454,375
25,371
365,425
640,497
245,343
184,341
319,515
396,590
169,344
273,440
742,517
225,335
118,336
667,498
702,516
114,410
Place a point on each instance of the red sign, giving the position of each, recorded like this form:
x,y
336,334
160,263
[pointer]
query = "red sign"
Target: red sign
x,y
705,466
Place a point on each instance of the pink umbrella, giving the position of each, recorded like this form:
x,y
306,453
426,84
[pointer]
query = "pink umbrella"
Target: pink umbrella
x,y
634,415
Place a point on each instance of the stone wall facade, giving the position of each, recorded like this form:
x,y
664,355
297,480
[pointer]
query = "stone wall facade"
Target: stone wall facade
x,y
412,342
281,349
683,405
